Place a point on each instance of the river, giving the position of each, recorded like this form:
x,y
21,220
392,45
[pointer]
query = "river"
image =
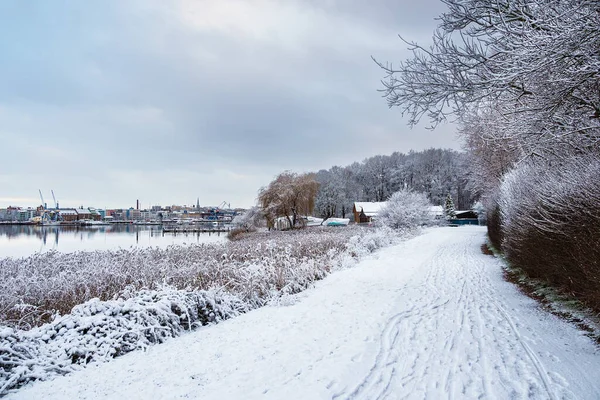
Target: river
x,y
25,240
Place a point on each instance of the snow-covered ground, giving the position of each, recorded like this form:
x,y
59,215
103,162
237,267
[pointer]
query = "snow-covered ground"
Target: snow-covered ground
x,y
429,318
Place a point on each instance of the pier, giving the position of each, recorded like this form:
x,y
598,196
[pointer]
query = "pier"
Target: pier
x,y
195,229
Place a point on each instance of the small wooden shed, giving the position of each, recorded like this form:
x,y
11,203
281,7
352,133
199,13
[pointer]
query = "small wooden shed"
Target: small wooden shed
x,y
367,211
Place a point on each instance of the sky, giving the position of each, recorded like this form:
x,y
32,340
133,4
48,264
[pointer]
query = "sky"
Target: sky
x,y
109,102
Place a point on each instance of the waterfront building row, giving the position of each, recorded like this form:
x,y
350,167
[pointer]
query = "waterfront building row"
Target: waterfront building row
x,y
156,214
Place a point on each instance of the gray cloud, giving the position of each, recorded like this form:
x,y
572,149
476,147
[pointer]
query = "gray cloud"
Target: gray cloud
x,y
106,102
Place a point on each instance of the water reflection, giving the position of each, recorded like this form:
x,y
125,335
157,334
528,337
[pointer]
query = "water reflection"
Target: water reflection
x,y
23,240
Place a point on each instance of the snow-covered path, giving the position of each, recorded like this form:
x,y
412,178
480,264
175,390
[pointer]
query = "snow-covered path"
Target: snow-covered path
x,y
429,318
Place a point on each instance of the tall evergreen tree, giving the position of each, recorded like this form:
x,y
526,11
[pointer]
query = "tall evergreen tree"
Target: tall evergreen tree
x,y
449,209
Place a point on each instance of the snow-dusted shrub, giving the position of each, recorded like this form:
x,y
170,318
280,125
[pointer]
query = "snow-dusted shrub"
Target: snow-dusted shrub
x,y
35,288
359,246
134,298
479,209
406,210
551,223
100,330
247,222
493,221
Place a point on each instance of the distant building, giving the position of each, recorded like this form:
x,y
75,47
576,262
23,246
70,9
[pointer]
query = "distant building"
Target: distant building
x,y
23,216
68,214
118,215
11,213
367,211
465,217
83,213
135,215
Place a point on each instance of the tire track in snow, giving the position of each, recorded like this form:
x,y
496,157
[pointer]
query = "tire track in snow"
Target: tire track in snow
x,y
535,361
455,340
376,384
485,289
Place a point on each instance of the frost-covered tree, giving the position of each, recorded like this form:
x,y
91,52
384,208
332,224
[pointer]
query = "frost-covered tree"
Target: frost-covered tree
x,y
522,80
534,63
490,152
250,219
520,77
449,209
331,197
289,195
406,209
434,172
376,172
479,209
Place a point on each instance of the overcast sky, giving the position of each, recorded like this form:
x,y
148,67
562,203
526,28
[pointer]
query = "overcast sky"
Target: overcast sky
x,y
106,102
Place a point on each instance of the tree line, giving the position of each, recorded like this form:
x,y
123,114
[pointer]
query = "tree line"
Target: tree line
x,y
438,174
435,172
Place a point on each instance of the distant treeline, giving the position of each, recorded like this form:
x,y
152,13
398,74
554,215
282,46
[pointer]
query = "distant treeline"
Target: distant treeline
x,y
435,172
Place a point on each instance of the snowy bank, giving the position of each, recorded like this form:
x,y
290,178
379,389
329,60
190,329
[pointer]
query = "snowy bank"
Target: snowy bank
x,y
177,289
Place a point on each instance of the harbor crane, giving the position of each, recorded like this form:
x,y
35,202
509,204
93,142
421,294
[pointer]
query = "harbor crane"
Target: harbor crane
x,y
42,198
224,203
55,202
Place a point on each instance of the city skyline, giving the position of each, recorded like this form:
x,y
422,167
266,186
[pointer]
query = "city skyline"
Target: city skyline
x,y
141,206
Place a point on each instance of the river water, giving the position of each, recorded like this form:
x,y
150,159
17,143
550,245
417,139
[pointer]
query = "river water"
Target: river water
x,y
25,240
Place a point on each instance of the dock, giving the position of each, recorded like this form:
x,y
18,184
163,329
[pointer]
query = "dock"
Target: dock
x,y
195,229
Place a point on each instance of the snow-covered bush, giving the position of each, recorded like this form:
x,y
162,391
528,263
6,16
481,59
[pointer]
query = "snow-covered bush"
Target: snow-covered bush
x,y
250,220
406,210
359,246
550,221
114,302
479,209
246,222
35,288
100,330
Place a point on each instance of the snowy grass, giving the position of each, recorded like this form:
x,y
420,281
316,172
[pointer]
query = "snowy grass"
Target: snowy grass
x,y
34,289
114,302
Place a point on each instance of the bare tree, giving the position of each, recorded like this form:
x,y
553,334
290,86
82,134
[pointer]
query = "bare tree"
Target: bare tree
x,y
534,64
289,195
